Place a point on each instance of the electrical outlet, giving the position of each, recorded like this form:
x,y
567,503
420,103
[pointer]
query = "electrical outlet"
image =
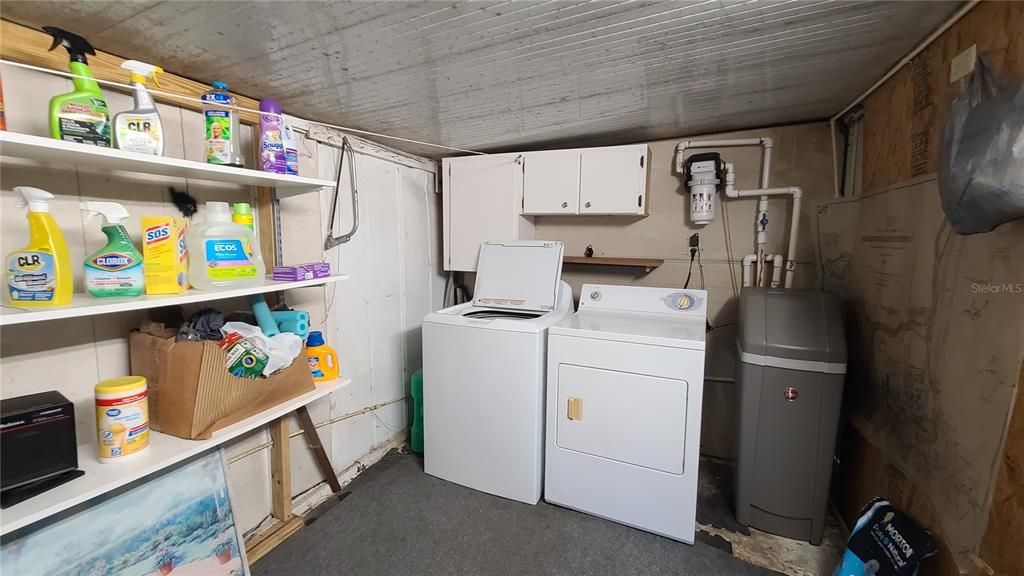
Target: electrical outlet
x,y
963,64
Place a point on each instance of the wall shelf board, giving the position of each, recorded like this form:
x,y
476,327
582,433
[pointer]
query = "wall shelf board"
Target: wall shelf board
x,y
85,305
49,150
163,452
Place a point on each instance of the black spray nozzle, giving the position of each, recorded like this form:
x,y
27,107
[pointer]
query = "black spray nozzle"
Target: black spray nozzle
x,y
76,46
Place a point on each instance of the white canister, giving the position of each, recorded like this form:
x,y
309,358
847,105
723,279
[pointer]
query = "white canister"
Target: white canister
x,y
122,417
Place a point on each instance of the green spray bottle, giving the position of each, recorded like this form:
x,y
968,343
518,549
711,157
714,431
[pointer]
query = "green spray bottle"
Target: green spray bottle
x,y
82,115
116,269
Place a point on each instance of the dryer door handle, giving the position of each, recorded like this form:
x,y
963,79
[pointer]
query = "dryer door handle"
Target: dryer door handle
x,y
574,408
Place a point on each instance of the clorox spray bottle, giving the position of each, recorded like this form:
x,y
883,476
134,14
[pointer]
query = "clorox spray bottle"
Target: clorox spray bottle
x,y
114,271
139,129
39,274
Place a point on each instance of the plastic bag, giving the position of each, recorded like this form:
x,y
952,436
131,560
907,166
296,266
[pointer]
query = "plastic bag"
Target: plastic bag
x,y
251,353
885,542
981,171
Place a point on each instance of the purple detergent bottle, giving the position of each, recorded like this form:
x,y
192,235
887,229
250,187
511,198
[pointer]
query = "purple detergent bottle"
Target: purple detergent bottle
x,y
272,152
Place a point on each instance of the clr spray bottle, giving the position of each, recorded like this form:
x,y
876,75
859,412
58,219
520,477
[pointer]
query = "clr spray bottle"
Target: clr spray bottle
x,y
139,129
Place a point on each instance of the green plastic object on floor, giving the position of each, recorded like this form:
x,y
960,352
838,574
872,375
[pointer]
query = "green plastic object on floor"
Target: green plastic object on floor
x,y
416,439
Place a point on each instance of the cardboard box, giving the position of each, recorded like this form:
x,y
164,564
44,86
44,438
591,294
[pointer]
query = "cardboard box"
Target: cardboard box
x,y
191,393
164,255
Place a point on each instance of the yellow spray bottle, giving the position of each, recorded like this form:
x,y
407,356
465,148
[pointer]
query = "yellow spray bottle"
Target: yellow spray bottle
x,y
39,274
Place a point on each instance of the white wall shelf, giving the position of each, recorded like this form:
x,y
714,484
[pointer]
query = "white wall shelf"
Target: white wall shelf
x,y
163,451
85,305
48,150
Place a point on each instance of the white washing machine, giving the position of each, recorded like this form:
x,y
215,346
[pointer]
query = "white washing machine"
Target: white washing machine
x,y
625,383
484,370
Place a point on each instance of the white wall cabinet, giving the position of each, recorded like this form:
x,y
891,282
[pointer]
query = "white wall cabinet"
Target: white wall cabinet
x,y
483,199
493,197
613,180
610,180
551,182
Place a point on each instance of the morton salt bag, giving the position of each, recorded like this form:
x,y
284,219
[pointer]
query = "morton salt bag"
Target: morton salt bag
x,y
885,542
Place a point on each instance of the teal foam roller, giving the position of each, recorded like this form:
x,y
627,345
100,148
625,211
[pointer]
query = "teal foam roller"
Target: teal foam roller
x,y
263,317
283,315
297,327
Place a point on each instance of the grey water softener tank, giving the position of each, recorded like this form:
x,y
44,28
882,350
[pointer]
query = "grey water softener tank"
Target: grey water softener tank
x,y
792,362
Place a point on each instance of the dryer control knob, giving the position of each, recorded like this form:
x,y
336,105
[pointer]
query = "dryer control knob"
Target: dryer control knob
x,y
595,295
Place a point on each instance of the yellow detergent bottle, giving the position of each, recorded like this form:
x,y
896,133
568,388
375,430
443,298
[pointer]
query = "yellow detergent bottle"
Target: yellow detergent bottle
x,y
39,274
323,360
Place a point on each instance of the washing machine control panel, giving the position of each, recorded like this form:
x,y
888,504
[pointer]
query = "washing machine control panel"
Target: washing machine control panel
x,y
671,301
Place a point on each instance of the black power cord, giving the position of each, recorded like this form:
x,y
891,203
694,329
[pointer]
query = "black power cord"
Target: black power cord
x,y
694,250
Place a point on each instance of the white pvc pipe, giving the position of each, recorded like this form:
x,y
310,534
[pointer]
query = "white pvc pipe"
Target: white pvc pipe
x,y
794,231
765,142
748,273
776,270
794,228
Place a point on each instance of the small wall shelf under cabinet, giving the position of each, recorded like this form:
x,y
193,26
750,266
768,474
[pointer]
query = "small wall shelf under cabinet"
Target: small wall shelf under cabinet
x,y
648,264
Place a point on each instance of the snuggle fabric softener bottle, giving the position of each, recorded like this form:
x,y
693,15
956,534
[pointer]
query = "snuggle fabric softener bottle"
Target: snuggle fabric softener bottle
x,y
272,152
222,253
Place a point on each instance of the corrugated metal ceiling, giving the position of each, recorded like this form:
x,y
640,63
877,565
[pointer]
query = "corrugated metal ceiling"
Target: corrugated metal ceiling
x,y
499,75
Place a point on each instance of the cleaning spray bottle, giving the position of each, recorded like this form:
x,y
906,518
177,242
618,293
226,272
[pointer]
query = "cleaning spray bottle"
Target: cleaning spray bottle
x,y
82,115
139,129
114,271
39,274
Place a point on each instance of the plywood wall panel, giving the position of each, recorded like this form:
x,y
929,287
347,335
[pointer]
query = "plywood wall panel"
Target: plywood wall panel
x,y
1002,547
903,125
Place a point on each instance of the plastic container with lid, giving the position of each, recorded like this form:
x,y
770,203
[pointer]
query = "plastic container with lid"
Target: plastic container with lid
x,y
323,360
272,151
222,126
222,253
122,418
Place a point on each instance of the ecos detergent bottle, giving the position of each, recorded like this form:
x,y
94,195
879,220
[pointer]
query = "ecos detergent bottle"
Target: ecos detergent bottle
x,y
223,254
39,274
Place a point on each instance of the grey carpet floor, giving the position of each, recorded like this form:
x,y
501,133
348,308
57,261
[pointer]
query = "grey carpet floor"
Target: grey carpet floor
x,y
400,521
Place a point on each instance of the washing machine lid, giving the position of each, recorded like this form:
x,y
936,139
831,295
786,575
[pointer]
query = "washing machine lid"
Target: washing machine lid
x,y
519,275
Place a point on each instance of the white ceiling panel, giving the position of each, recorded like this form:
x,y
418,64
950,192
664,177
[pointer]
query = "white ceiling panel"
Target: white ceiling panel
x,y
501,75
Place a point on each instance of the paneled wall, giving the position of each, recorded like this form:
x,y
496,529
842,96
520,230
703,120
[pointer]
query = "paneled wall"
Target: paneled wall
x,y
372,319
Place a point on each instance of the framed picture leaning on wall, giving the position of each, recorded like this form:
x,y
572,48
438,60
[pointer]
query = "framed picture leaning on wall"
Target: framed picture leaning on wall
x,y
179,523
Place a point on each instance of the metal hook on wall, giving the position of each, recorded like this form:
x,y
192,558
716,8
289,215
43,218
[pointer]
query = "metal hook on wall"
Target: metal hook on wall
x,y
333,240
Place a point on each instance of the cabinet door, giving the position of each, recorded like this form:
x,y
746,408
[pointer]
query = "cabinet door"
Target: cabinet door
x,y
551,182
482,200
613,180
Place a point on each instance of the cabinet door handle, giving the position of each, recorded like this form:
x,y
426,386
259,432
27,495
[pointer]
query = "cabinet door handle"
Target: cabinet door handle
x,y
565,204
587,205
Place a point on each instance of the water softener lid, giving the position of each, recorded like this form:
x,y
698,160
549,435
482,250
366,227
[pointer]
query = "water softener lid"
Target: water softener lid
x,y
121,385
